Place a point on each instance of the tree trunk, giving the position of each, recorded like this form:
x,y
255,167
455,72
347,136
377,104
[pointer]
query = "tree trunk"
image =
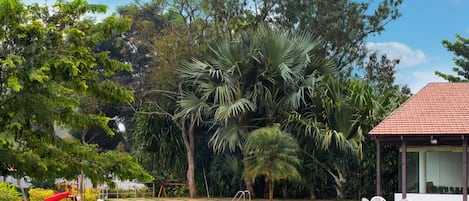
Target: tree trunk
x,y
312,194
247,179
188,138
18,182
339,180
191,174
338,190
81,188
248,183
271,190
284,189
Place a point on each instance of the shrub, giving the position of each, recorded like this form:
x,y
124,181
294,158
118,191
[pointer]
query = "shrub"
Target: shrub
x,y
38,194
124,194
8,192
91,194
182,191
144,192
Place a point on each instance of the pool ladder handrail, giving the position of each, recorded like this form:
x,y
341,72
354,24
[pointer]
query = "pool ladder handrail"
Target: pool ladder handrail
x,y
242,194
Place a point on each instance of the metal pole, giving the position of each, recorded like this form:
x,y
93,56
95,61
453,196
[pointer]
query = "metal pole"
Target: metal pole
x,y
464,169
378,168
154,184
404,169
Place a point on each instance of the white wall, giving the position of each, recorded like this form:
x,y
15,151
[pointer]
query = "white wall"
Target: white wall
x,y
429,197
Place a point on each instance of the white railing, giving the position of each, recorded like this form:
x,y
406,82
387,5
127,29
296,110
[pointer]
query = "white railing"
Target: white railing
x,y
242,194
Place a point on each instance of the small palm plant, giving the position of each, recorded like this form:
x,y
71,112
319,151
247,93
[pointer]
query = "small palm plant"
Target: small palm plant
x,y
273,154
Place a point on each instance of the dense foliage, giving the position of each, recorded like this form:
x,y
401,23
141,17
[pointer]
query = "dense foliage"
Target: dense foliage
x,y
205,75
49,66
39,194
8,192
234,81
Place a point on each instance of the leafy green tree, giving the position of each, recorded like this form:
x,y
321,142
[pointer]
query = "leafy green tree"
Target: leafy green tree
x,y
459,48
273,154
344,25
180,35
48,65
229,22
136,46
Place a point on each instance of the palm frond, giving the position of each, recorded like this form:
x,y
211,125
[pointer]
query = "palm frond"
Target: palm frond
x,y
224,94
228,137
233,109
190,104
192,71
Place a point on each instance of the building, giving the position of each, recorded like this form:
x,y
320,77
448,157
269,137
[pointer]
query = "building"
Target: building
x,y
432,130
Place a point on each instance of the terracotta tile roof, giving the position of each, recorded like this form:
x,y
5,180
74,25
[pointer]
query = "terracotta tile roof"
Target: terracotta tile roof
x,y
437,109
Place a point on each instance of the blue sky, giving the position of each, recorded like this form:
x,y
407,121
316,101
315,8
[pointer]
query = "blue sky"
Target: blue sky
x,y
414,38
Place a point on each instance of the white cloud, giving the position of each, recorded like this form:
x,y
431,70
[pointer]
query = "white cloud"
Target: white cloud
x,y
415,80
408,57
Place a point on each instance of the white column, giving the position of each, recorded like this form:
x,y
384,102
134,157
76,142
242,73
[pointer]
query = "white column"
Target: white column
x,y
422,172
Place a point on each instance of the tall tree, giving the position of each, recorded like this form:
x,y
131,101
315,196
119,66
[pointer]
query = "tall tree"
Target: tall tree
x,y
335,122
459,48
250,81
273,154
181,37
344,25
48,63
136,46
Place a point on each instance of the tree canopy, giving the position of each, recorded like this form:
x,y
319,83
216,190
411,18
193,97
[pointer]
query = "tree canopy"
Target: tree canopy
x,y
234,81
273,154
49,63
461,59
205,75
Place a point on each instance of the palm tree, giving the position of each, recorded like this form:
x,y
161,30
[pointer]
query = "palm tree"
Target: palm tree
x,y
273,154
248,82
350,108
334,122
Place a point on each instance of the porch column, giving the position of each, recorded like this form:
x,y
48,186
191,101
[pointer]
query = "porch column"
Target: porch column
x,y
422,172
404,169
464,169
378,167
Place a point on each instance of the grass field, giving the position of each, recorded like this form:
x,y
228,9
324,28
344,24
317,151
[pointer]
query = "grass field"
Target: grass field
x,y
200,199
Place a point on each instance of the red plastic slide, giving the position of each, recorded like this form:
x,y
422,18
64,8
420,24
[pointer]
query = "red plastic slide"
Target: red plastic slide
x,y
57,197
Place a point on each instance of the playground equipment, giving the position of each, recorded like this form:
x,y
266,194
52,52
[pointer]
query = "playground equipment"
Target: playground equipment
x,y
58,196
166,184
65,190
242,194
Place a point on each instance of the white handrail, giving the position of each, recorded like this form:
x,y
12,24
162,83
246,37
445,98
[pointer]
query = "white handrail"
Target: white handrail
x,y
242,194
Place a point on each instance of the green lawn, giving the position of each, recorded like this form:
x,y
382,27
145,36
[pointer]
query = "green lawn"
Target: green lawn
x,y
199,199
